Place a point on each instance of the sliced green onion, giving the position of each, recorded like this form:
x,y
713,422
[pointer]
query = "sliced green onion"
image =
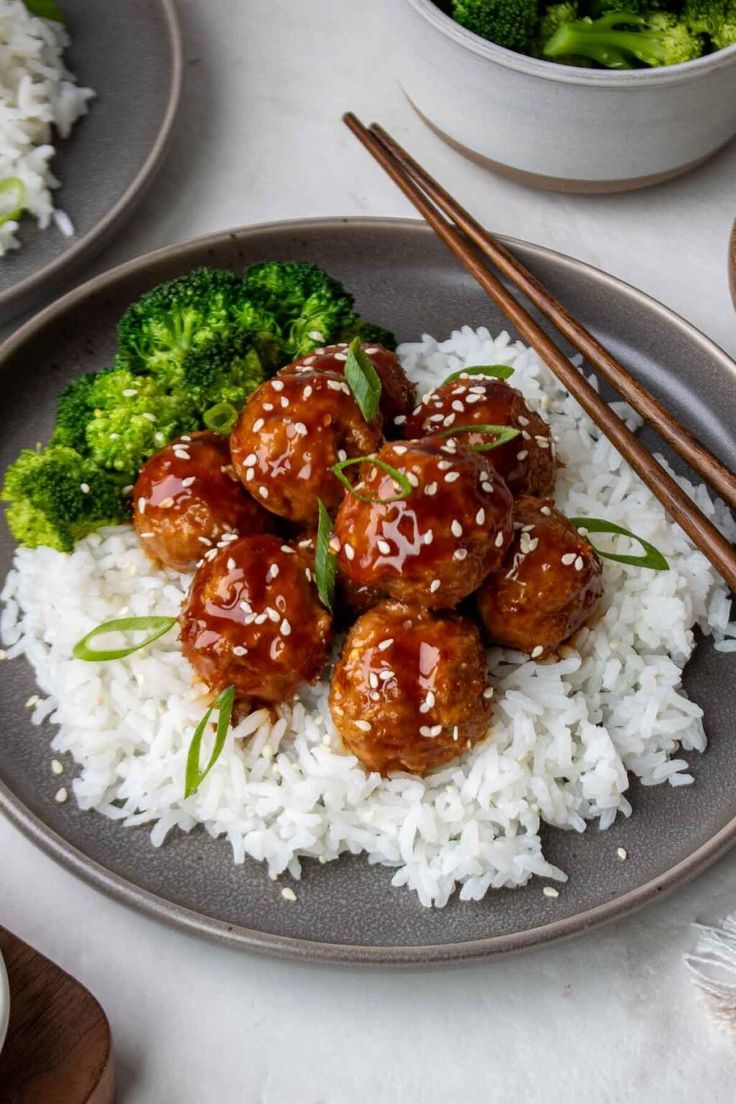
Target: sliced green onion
x,y
653,558
397,476
154,627
221,418
194,776
363,380
325,563
12,198
504,434
46,9
498,371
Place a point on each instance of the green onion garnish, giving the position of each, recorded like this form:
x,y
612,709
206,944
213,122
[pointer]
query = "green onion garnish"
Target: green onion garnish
x,y
397,476
363,380
498,371
653,558
12,198
504,434
46,9
221,418
194,776
325,563
153,626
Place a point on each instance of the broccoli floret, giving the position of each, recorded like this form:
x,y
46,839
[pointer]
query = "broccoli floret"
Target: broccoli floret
x,y
594,8
367,333
225,370
157,331
264,334
56,496
509,23
619,39
715,18
119,419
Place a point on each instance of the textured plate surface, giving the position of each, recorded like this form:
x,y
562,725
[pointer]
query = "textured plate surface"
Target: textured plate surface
x,y
347,910
129,52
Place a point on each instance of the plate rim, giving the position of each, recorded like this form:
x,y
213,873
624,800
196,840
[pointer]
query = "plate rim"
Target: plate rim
x,y
294,947
28,289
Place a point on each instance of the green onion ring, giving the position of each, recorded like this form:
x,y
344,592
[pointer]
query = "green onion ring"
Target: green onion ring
x,y
157,625
221,418
654,560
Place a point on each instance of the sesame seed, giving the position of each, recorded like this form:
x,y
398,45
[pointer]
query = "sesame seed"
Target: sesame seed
x,y
272,614
250,461
444,465
522,455
287,550
425,730
334,545
568,558
61,795
399,450
430,698
550,891
399,419
334,385
228,538
622,853
240,650
141,505
582,531
263,492
374,695
452,476
272,572
364,726
424,707
457,405
341,356
456,528
488,693
231,564
285,628
181,454
146,536
385,644
246,606
188,481
349,551
56,767
288,894
487,487
480,517
385,674
434,585
373,680
249,475
522,420
284,402
537,651
129,393
430,489
384,547
268,407
428,537
149,417
258,425
166,503
277,385
33,700
547,512
315,335
499,538
447,422
460,554
456,733
128,489
84,488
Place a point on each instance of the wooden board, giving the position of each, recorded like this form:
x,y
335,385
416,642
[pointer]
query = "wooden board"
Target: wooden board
x,y
58,1048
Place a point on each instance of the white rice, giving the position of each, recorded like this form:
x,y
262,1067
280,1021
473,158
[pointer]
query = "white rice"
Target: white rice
x,y
565,737
39,98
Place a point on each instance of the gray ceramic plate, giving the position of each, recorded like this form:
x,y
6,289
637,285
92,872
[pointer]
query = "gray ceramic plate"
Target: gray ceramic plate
x,y
129,51
347,911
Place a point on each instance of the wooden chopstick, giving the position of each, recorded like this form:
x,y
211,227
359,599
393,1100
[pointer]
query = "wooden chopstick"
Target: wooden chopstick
x,y
700,459
678,504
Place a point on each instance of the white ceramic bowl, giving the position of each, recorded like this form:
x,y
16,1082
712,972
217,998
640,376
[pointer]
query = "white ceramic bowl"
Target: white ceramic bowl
x,y
557,126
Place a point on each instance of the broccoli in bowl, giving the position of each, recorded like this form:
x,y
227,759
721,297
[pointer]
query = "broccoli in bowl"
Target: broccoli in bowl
x,y
610,34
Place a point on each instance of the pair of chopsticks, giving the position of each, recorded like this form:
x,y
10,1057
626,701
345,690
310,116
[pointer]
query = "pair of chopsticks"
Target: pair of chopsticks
x,y
474,247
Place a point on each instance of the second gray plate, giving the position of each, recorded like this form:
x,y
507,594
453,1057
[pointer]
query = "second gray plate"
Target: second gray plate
x,y
347,911
130,53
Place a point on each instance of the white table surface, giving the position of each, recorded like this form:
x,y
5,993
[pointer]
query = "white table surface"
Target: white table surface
x,y
609,1017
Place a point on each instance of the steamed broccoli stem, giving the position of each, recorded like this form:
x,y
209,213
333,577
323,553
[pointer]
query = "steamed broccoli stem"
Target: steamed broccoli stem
x,y
715,18
619,39
56,496
509,23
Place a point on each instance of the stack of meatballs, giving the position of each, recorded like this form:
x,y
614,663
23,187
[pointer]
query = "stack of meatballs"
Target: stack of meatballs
x,y
477,531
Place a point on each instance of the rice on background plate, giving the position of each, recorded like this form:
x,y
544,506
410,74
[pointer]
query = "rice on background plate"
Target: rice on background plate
x,y
564,737
39,98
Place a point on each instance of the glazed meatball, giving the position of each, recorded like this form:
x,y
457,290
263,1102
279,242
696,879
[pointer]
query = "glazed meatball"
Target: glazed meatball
x,y
187,496
397,392
527,463
548,586
253,620
437,545
409,690
290,433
